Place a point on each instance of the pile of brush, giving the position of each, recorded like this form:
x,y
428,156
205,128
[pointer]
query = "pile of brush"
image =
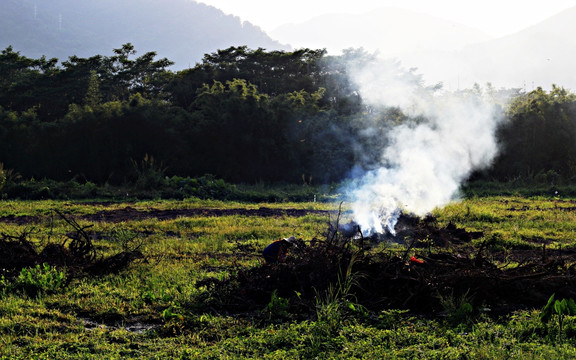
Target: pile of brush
x,y
75,252
434,264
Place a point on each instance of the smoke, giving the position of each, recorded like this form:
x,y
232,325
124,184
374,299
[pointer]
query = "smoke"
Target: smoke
x,y
428,156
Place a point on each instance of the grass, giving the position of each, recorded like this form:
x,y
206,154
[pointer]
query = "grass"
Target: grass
x,y
96,317
528,221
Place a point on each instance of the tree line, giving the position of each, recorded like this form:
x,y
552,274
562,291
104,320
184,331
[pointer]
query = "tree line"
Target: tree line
x,y
242,115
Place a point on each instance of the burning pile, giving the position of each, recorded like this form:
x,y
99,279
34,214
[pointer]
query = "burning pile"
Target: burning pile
x,y
435,263
439,141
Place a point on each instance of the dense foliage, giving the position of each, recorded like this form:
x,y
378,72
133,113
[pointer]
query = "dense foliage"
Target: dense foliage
x,y
242,115
538,137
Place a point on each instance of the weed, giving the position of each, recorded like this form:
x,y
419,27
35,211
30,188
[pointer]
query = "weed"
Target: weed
x,y
166,289
4,286
561,308
331,308
391,319
129,240
149,173
41,279
169,314
458,310
2,176
148,297
278,306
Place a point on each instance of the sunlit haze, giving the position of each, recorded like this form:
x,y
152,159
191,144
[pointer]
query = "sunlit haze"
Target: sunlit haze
x,y
494,17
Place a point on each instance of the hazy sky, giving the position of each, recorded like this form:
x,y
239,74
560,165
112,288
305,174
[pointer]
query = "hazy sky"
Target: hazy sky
x,y
495,17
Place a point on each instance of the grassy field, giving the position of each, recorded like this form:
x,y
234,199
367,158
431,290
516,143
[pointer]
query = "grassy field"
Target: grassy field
x,y
160,306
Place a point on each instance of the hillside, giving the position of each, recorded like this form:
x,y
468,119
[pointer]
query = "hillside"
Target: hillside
x,y
447,52
391,31
181,30
541,55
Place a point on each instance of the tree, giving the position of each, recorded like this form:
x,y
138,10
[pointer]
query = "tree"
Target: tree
x,y
236,131
124,77
273,72
93,95
26,83
538,136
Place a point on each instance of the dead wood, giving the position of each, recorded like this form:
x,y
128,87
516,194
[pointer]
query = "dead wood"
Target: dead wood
x,y
75,252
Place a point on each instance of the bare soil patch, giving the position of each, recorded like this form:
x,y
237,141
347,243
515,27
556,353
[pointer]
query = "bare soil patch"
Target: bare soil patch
x,y
131,214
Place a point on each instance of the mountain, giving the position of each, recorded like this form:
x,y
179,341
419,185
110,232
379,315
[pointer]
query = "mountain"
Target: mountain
x,y
540,55
391,31
451,53
181,30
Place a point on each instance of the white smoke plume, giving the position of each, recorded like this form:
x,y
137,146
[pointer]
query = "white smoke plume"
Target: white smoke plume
x,y
426,160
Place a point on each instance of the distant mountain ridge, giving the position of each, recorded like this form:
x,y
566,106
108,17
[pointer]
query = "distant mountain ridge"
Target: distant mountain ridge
x,y
540,55
390,30
181,30
451,53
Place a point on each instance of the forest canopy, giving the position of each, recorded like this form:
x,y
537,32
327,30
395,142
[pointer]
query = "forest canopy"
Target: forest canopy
x,y
242,115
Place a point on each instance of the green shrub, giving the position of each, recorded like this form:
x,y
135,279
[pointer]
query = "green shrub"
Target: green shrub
x,y
205,187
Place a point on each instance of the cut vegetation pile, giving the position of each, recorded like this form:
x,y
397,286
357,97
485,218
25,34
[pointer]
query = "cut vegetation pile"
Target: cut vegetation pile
x,y
437,267
75,251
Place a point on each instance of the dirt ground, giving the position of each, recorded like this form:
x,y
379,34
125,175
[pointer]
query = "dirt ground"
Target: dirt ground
x,y
130,214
